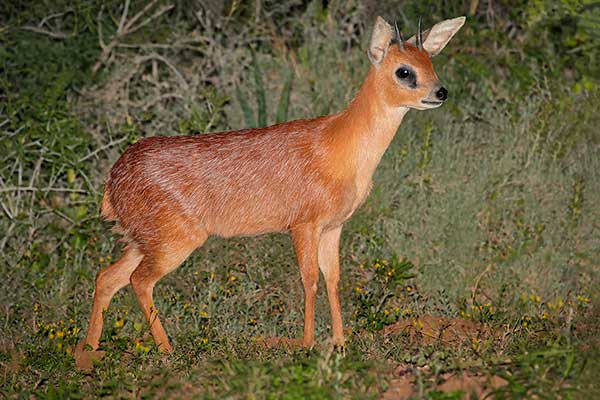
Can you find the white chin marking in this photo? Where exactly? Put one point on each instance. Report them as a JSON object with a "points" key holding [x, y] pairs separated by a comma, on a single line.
{"points": [[425, 106]]}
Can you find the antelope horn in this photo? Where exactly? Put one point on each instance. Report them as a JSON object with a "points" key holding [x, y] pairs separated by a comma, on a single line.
{"points": [[399, 37], [420, 35]]}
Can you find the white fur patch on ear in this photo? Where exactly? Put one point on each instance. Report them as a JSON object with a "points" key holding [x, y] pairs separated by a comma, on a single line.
{"points": [[436, 38], [380, 41]]}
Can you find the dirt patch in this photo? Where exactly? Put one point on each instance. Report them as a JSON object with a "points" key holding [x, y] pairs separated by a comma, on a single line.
{"points": [[471, 384], [289, 344], [449, 331]]}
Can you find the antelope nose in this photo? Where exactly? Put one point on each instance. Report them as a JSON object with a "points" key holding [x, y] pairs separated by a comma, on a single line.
{"points": [[442, 94]]}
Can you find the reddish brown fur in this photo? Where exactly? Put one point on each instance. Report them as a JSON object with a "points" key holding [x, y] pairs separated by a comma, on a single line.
{"points": [[307, 177]]}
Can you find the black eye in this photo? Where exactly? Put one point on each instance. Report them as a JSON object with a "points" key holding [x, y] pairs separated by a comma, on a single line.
{"points": [[402, 73]]}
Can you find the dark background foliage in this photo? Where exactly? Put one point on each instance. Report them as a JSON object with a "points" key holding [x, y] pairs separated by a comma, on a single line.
{"points": [[484, 209]]}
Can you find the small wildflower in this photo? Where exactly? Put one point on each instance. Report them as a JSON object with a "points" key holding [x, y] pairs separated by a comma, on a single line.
{"points": [[535, 298], [583, 299], [418, 324], [141, 347], [119, 323]]}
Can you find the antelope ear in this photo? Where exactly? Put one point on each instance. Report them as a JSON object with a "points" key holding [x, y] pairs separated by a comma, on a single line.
{"points": [[380, 41], [438, 36]]}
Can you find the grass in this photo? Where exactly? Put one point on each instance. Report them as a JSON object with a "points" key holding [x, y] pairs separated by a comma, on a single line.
{"points": [[483, 213]]}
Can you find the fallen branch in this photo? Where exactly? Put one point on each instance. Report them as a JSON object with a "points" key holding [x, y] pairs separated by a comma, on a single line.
{"points": [[55, 35], [102, 148], [125, 28]]}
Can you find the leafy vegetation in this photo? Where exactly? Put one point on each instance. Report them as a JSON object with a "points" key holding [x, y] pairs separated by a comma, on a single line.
{"points": [[475, 259]]}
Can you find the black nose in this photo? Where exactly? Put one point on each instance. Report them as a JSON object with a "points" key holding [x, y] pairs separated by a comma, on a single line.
{"points": [[442, 94]]}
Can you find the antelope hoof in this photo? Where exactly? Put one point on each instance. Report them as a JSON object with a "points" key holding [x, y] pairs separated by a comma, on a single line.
{"points": [[84, 359], [165, 348]]}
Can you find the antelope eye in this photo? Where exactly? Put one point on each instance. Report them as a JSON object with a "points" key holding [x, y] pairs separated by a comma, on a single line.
{"points": [[402, 73]]}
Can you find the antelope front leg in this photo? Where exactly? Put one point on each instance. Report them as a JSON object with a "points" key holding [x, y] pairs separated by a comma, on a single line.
{"points": [[329, 263], [306, 242]]}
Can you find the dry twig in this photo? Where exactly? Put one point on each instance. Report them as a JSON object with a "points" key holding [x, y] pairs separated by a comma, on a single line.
{"points": [[126, 27]]}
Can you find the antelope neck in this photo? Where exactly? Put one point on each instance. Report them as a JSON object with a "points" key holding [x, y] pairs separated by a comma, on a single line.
{"points": [[366, 128]]}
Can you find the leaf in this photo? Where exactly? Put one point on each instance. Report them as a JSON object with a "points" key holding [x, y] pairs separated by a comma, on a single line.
{"points": [[284, 100], [248, 116], [261, 100]]}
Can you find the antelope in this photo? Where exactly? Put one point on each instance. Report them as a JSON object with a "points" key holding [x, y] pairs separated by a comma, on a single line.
{"points": [[168, 194]]}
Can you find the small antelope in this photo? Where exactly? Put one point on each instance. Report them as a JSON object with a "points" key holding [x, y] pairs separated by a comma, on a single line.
{"points": [[306, 177]]}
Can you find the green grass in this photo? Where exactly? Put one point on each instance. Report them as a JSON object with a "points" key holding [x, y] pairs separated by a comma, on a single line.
{"points": [[483, 211]]}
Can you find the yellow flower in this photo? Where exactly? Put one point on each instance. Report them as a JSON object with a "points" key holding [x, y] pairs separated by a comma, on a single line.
{"points": [[418, 324], [140, 346], [535, 298], [203, 314], [60, 334], [119, 323], [583, 299]]}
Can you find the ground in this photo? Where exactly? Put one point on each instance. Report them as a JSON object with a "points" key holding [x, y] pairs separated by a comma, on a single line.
{"points": [[472, 268]]}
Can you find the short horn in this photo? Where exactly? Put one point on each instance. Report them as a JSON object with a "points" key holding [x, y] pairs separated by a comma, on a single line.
{"points": [[399, 37], [420, 35]]}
